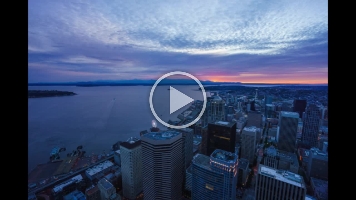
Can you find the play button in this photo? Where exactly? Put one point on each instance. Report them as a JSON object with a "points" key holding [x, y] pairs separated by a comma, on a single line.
{"points": [[178, 100]]}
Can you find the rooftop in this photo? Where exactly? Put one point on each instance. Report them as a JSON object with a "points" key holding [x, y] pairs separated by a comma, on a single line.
{"points": [[224, 123], [98, 168], [250, 128], [225, 156], [105, 183], [78, 195], [92, 190], [289, 114], [320, 187], [164, 135], [316, 153], [282, 175], [131, 143], [271, 151], [74, 179], [202, 161], [243, 164]]}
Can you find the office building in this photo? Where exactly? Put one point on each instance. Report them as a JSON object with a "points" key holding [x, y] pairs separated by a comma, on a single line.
{"points": [[214, 177], [299, 106], [243, 171], [187, 136], [215, 110], [278, 184], [248, 143], [320, 188], [77, 195], [318, 164], [131, 168], [107, 190], [162, 160], [279, 159], [254, 118], [288, 127], [97, 172], [117, 157], [67, 186], [92, 193], [221, 135], [270, 110], [311, 122]]}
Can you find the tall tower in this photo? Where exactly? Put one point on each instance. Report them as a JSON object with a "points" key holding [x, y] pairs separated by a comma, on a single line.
{"points": [[288, 127], [278, 184], [162, 160], [311, 122], [221, 135], [131, 167], [214, 177], [248, 143]]}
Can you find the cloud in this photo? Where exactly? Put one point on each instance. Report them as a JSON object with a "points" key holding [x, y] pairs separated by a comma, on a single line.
{"points": [[151, 37]]}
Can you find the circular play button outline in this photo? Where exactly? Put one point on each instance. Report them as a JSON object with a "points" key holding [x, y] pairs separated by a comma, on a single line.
{"points": [[171, 74]]}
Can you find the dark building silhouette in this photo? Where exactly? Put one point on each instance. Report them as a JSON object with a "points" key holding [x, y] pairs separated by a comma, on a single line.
{"points": [[221, 135], [311, 120], [288, 127], [299, 106], [252, 108], [254, 118]]}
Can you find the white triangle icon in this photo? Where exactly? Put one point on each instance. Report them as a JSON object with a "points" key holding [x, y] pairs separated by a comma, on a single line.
{"points": [[177, 100]]}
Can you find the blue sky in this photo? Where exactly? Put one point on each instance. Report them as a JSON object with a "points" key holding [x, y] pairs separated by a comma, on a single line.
{"points": [[275, 41]]}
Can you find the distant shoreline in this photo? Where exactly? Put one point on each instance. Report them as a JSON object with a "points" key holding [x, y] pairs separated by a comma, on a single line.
{"points": [[161, 84], [48, 93]]}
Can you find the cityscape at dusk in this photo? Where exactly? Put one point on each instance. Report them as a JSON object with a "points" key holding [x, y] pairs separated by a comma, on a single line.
{"points": [[181, 100], [224, 41]]}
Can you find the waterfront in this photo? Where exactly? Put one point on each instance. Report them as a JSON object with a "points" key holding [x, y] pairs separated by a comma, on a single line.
{"points": [[96, 118]]}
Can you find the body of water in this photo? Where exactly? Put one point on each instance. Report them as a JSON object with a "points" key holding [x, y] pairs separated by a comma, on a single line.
{"points": [[96, 118]]}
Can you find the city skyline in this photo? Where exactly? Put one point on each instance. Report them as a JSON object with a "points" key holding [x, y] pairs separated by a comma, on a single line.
{"points": [[234, 41]]}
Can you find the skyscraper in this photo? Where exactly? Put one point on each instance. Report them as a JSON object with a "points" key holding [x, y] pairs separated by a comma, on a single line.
{"points": [[215, 109], [299, 106], [318, 164], [288, 127], [221, 135], [131, 167], [107, 190], [278, 184], [214, 177], [311, 122], [254, 118], [162, 160], [248, 143]]}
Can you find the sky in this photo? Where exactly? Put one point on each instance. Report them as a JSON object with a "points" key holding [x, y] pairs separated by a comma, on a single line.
{"points": [[274, 41]]}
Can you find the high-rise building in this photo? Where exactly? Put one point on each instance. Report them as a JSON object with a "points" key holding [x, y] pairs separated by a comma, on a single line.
{"points": [[269, 110], [320, 188], [288, 127], [278, 184], [299, 106], [248, 143], [243, 171], [215, 109], [131, 168], [214, 177], [107, 190], [318, 164], [311, 122], [221, 135], [162, 160], [279, 159], [254, 118], [187, 136]]}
